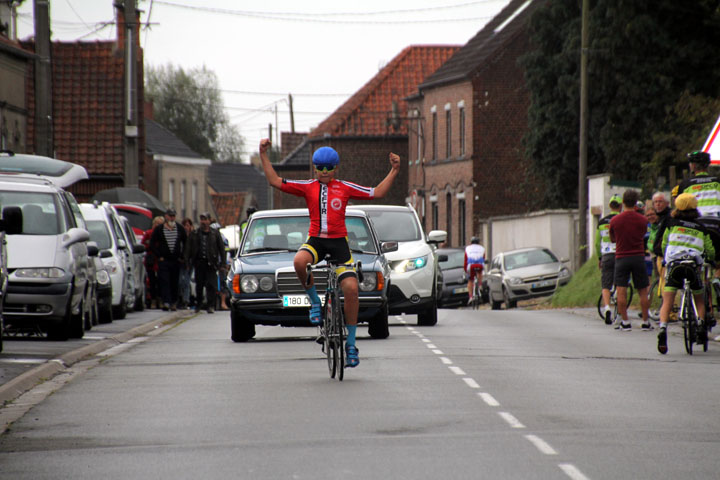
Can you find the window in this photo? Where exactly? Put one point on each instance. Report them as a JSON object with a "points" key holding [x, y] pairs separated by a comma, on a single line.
{"points": [[448, 218], [448, 134], [434, 136], [171, 193], [461, 130], [461, 222], [435, 214], [194, 199], [183, 204]]}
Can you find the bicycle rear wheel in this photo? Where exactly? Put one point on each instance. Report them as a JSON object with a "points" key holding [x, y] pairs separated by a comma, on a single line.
{"points": [[688, 323], [328, 344], [476, 296]]}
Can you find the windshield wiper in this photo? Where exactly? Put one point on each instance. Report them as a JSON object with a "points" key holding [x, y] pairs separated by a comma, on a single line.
{"points": [[355, 250], [269, 249]]}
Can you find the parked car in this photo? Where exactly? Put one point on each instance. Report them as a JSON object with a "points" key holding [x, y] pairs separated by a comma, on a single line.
{"points": [[48, 263], [414, 274], [265, 289], [105, 230], [454, 279], [136, 256], [11, 224], [522, 274], [140, 218]]}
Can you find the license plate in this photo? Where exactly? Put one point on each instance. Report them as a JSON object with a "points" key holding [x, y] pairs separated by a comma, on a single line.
{"points": [[298, 301], [460, 290], [544, 283]]}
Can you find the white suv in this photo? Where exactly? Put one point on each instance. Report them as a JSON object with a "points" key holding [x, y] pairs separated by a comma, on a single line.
{"points": [[414, 274]]}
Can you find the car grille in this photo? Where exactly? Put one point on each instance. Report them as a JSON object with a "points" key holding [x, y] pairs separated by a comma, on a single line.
{"points": [[288, 283]]}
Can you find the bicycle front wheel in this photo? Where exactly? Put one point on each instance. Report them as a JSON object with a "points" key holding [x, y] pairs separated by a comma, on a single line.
{"points": [[328, 345], [339, 336]]}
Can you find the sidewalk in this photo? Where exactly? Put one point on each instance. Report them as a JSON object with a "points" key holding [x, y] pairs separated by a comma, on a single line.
{"points": [[12, 389]]}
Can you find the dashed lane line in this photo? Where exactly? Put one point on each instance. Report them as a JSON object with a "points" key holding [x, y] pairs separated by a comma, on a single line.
{"points": [[511, 420], [541, 445]]}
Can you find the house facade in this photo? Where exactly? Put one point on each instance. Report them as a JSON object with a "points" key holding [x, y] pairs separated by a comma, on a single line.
{"points": [[466, 161], [15, 62]]}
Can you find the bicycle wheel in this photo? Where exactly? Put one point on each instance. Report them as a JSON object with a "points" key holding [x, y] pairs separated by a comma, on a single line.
{"points": [[476, 296], [327, 335], [600, 306], [339, 336], [688, 322]]}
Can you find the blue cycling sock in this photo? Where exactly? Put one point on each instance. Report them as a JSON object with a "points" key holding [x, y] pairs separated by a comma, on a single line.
{"points": [[351, 329], [312, 293]]}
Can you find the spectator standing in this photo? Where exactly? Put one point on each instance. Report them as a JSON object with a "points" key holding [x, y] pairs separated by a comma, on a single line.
{"points": [[206, 252], [151, 265], [627, 231], [185, 270], [168, 244], [605, 251]]}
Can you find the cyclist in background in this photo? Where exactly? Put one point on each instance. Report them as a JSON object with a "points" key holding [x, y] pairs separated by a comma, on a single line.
{"points": [[474, 264], [683, 238], [702, 185], [605, 251], [326, 199]]}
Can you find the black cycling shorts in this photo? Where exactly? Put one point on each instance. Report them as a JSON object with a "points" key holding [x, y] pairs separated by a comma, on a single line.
{"points": [[631, 266], [607, 277], [676, 273], [338, 249]]}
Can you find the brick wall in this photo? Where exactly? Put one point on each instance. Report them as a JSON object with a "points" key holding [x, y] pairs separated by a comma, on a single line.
{"points": [[289, 141], [500, 118]]}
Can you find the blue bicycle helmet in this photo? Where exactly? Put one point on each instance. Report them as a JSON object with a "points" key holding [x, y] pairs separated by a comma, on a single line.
{"points": [[325, 156]]}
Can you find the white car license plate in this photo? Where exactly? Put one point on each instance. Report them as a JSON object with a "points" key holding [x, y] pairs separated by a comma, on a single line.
{"points": [[460, 290], [544, 283], [298, 301]]}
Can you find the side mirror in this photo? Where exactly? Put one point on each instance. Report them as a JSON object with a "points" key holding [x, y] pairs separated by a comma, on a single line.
{"points": [[12, 220], [388, 247], [93, 249], [105, 254], [437, 236], [138, 248], [75, 235]]}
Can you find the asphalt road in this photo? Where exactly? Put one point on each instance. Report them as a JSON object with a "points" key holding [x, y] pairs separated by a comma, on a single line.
{"points": [[484, 394]]}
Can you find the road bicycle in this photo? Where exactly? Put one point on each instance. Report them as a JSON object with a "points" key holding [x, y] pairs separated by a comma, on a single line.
{"points": [[477, 295], [332, 327], [695, 330], [613, 302]]}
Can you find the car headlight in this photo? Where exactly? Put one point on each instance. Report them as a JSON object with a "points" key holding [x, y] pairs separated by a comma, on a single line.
{"points": [[564, 273], [369, 282], [266, 284], [39, 272], [411, 264], [112, 266], [514, 280], [102, 277], [249, 283]]}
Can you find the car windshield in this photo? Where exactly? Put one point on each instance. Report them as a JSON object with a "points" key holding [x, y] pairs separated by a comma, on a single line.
{"points": [[455, 260], [99, 234], [289, 233], [395, 226], [136, 219], [529, 258], [39, 211]]}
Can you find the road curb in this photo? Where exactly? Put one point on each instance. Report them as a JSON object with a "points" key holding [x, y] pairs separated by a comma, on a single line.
{"points": [[26, 381]]}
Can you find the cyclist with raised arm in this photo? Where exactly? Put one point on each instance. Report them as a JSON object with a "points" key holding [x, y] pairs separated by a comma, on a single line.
{"points": [[474, 263], [605, 251], [326, 199], [683, 239]]}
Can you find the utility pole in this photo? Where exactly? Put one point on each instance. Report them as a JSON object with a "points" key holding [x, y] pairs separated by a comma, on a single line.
{"points": [[582, 167], [131, 113], [43, 80], [292, 116]]}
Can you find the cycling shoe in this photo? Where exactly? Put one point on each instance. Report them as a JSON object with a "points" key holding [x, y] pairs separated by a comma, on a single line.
{"points": [[316, 314], [352, 360]]}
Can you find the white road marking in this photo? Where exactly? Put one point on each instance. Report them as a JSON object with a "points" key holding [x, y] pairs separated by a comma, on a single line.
{"points": [[572, 471], [487, 398], [426, 340], [471, 383], [511, 420], [23, 360], [437, 352], [541, 445], [457, 370], [430, 345], [446, 360]]}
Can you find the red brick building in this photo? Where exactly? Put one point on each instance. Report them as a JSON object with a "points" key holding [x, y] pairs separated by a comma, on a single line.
{"points": [[467, 122], [369, 125]]}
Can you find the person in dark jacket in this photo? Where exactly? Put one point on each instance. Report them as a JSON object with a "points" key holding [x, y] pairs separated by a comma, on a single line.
{"points": [[206, 253], [168, 245]]}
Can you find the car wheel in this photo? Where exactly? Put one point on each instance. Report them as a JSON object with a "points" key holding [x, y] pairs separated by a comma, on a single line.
{"points": [[378, 325], [106, 314], [494, 304], [61, 331], [120, 311], [2, 330], [94, 312], [78, 322], [241, 329], [428, 318], [140, 301], [506, 299]]}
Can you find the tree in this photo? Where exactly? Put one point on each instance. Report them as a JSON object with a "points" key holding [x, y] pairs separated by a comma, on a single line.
{"points": [[648, 61], [189, 104]]}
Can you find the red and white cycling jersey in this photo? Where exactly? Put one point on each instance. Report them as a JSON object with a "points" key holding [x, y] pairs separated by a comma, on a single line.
{"points": [[326, 203]]}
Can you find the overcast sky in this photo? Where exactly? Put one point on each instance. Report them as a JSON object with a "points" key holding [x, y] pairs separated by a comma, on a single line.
{"points": [[319, 51]]}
